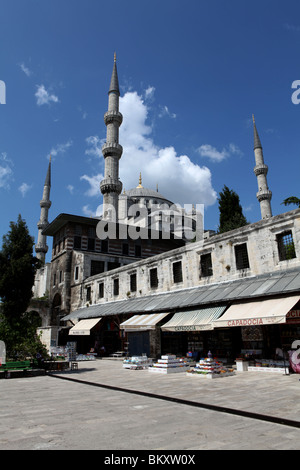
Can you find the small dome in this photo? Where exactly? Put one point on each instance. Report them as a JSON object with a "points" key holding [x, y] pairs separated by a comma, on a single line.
{"points": [[140, 192]]}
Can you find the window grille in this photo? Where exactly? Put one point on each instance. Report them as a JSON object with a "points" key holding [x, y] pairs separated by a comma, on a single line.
{"points": [[177, 272], [206, 265], [101, 290], [286, 247], [133, 282], [97, 267], [241, 256], [116, 286], [88, 293], [153, 278]]}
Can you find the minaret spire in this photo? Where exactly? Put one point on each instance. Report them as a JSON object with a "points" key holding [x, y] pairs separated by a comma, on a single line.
{"points": [[112, 151], [264, 195], [41, 247]]}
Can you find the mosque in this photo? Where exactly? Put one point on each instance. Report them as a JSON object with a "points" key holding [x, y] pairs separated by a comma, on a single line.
{"points": [[167, 285]]}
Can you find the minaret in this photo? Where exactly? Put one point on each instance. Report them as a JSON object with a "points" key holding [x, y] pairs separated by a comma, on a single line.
{"points": [[111, 186], [41, 247], [264, 195]]}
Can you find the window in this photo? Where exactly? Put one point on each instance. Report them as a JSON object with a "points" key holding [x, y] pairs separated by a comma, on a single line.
{"points": [[133, 282], [97, 267], [153, 278], [241, 256], [286, 247], [206, 265], [91, 244], [88, 293], [177, 272], [91, 232], [125, 249], [138, 251], [77, 242], [60, 276], [101, 290], [76, 274], [54, 279], [116, 286], [104, 246], [111, 265]]}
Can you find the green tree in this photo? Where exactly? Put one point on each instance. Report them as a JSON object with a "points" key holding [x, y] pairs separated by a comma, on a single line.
{"points": [[291, 200], [17, 271], [230, 211]]}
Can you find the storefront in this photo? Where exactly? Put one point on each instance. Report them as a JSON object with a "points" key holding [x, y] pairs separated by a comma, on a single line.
{"points": [[144, 334], [86, 334], [268, 329], [192, 333]]}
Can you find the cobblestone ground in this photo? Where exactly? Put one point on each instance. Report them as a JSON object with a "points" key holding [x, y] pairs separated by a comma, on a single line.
{"points": [[50, 412]]}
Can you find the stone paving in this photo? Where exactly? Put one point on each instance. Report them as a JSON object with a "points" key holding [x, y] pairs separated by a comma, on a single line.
{"points": [[46, 412]]}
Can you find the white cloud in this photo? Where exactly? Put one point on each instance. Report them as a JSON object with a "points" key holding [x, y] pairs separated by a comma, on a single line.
{"points": [[88, 212], [215, 155], [44, 97], [24, 188], [25, 69], [179, 179], [94, 182], [61, 148], [70, 188], [149, 93], [165, 112], [94, 146], [6, 172], [5, 176]]}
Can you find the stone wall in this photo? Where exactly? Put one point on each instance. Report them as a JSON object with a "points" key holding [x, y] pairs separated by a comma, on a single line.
{"points": [[260, 240]]}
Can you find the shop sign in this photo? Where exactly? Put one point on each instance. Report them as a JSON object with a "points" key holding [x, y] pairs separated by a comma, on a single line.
{"points": [[193, 327], [255, 321], [245, 322], [293, 316]]}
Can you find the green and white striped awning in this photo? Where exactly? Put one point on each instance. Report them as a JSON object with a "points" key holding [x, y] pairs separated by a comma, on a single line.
{"points": [[194, 320]]}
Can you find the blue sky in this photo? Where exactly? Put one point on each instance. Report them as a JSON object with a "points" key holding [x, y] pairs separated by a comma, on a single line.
{"points": [[191, 74]]}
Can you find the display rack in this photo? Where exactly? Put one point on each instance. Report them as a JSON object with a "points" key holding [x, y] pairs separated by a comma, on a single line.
{"points": [[137, 362], [169, 364], [210, 369]]}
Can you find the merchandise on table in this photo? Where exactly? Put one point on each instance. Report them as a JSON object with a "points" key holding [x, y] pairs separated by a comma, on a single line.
{"points": [[169, 364], [210, 369], [68, 353], [137, 362], [269, 365]]}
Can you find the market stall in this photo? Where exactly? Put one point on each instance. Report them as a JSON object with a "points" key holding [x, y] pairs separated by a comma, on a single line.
{"points": [[268, 329], [170, 364], [137, 363], [210, 368]]}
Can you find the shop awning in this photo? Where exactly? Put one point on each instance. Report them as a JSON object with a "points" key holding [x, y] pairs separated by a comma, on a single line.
{"points": [[194, 320], [143, 322], [83, 327], [264, 312]]}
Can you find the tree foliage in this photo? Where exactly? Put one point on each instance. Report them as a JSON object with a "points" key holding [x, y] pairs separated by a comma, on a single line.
{"points": [[291, 200], [17, 271], [230, 211]]}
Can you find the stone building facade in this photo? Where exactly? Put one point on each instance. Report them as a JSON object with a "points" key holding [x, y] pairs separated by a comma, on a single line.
{"points": [[263, 247], [114, 278]]}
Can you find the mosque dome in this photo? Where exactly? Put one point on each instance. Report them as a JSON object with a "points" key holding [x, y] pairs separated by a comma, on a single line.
{"points": [[140, 192]]}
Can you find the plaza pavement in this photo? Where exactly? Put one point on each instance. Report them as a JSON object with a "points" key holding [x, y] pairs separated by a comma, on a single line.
{"points": [[68, 411]]}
